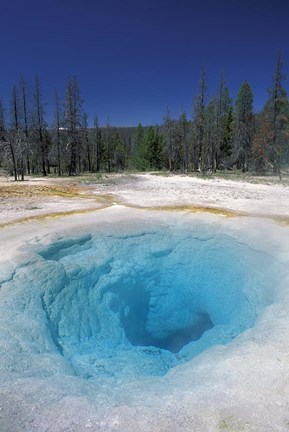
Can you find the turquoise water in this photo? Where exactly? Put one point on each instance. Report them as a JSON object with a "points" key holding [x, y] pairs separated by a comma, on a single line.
{"points": [[144, 320], [140, 303]]}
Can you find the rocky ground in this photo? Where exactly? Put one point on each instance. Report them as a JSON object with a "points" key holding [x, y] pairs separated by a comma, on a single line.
{"points": [[37, 197], [242, 386]]}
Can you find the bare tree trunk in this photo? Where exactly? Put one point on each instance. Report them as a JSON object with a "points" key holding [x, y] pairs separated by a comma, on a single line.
{"points": [[73, 122], [97, 143], [13, 160], [16, 137], [57, 114], [58, 152], [40, 125], [24, 102]]}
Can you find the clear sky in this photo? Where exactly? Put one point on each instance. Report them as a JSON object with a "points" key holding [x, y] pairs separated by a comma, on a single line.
{"points": [[134, 58]]}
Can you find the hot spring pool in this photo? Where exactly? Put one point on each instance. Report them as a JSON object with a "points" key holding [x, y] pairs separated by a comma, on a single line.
{"points": [[119, 303], [142, 302]]}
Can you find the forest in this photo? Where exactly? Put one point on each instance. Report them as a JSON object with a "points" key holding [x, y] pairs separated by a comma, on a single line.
{"points": [[220, 135]]}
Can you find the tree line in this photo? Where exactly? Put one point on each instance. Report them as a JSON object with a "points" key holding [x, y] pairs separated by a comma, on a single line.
{"points": [[219, 135]]}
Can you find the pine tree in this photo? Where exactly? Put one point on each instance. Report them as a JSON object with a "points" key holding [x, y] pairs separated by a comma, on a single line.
{"points": [[226, 144], [119, 152], [16, 139], [86, 143], [261, 142], [243, 126], [40, 125], [199, 121], [98, 147], [141, 160], [72, 120], [154, 145], [208, 154], [183, 129], [7, 143], [169, 140], [56, 153], [278, 110], [223, 116], [23, 91], [108, 146]]}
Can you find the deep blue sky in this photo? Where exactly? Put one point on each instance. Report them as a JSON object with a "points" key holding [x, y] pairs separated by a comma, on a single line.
{"points": [[134, 58]]}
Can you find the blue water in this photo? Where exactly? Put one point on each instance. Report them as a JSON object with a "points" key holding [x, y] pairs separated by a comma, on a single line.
{"points": [[142, 302]]}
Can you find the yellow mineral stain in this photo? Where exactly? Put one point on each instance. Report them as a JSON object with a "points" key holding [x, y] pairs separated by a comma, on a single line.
{"points": [[195, 209], [25, 191], [51, 216], [72, 191]]}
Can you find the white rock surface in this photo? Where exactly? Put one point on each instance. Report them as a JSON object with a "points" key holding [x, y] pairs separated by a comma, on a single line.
{"points": [[241, 386]]}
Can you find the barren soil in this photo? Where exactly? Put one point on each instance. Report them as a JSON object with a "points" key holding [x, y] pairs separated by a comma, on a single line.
{"points": [[41, 197]]}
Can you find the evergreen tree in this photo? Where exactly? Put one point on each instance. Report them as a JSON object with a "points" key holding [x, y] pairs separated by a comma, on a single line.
{"points": [[98, 146], [119, 152], [139, 135], [16, 138], [7, 143], [25, 114], [141, 160], [199, 121], [183, 129], [40, 126], [87, 159], [3, 139], [108, 146], [169, 140], [243, 126], [56, 153], [278, 111], [73, 116], [261, 142], [222, 126], [154, 145], [227, 142], [209, 143]]}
